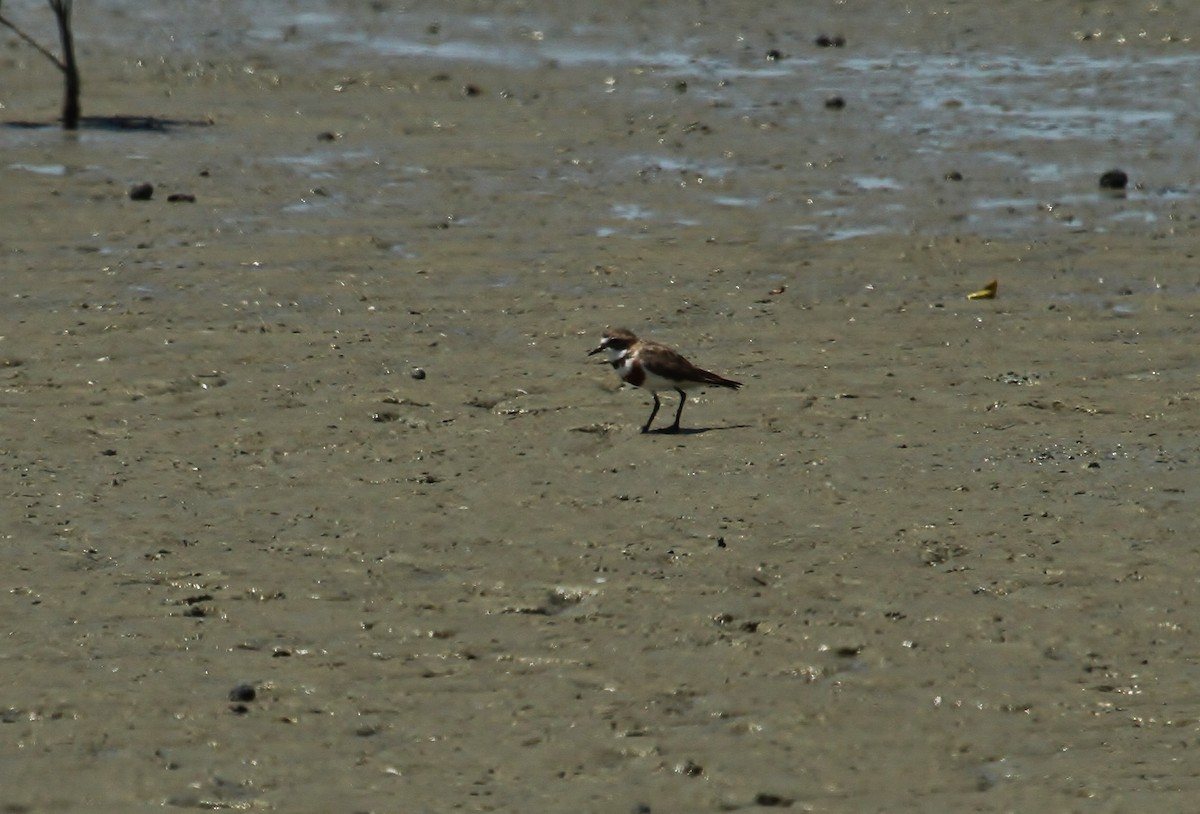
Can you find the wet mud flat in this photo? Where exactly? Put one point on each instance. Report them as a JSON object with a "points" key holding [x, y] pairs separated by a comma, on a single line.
{"points": [[314, 500]]}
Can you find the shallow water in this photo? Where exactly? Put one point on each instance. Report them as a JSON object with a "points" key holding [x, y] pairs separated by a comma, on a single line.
{"points": [[1029, 131]]}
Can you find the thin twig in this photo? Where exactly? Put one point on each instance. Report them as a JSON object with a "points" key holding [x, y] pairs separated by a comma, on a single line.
{"points": [[47, 54]]}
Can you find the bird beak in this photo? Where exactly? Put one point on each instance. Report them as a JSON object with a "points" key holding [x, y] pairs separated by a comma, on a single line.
{"points": [[595, 350]]}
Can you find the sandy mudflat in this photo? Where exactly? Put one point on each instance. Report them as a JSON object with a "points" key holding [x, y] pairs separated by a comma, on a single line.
{"points": [[937, 555]]}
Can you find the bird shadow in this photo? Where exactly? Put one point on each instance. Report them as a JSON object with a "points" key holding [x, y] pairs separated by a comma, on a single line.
{"points": [[696, 430]]}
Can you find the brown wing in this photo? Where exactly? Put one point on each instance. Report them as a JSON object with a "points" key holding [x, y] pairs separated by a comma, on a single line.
{"points": [[670, 364]]}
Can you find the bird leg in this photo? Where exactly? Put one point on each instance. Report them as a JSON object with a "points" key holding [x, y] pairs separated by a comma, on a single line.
{"points": [[653, 413], [679, 412]]}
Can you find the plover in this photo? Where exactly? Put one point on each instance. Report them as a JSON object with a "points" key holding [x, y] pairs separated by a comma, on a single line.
{"points": [[656, 368]]}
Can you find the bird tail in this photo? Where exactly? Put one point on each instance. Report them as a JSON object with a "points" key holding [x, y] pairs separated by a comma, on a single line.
{"points": [[720, 381]]}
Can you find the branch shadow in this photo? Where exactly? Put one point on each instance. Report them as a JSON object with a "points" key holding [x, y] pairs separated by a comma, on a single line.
{"points": [[118, 124]]}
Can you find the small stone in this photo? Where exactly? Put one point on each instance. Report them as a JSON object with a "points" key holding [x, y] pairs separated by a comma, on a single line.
{"points": [[774, 55], [143, 191], [767, 800], [954, 175], [243, 693], [181, 197], [826, 41], [418, 373], [835, 103], [1114, 179]]}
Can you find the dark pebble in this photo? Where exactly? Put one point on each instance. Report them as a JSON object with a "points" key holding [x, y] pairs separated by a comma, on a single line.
{"points": [[774, 55], [327, 135], [471, 90], [954, 175], [384, 417], [826, 41], [1114, 179], [243, 693], [772, 800], [141, 192], [181, 197], [681, 86], [835, 103], [418, 373]]}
